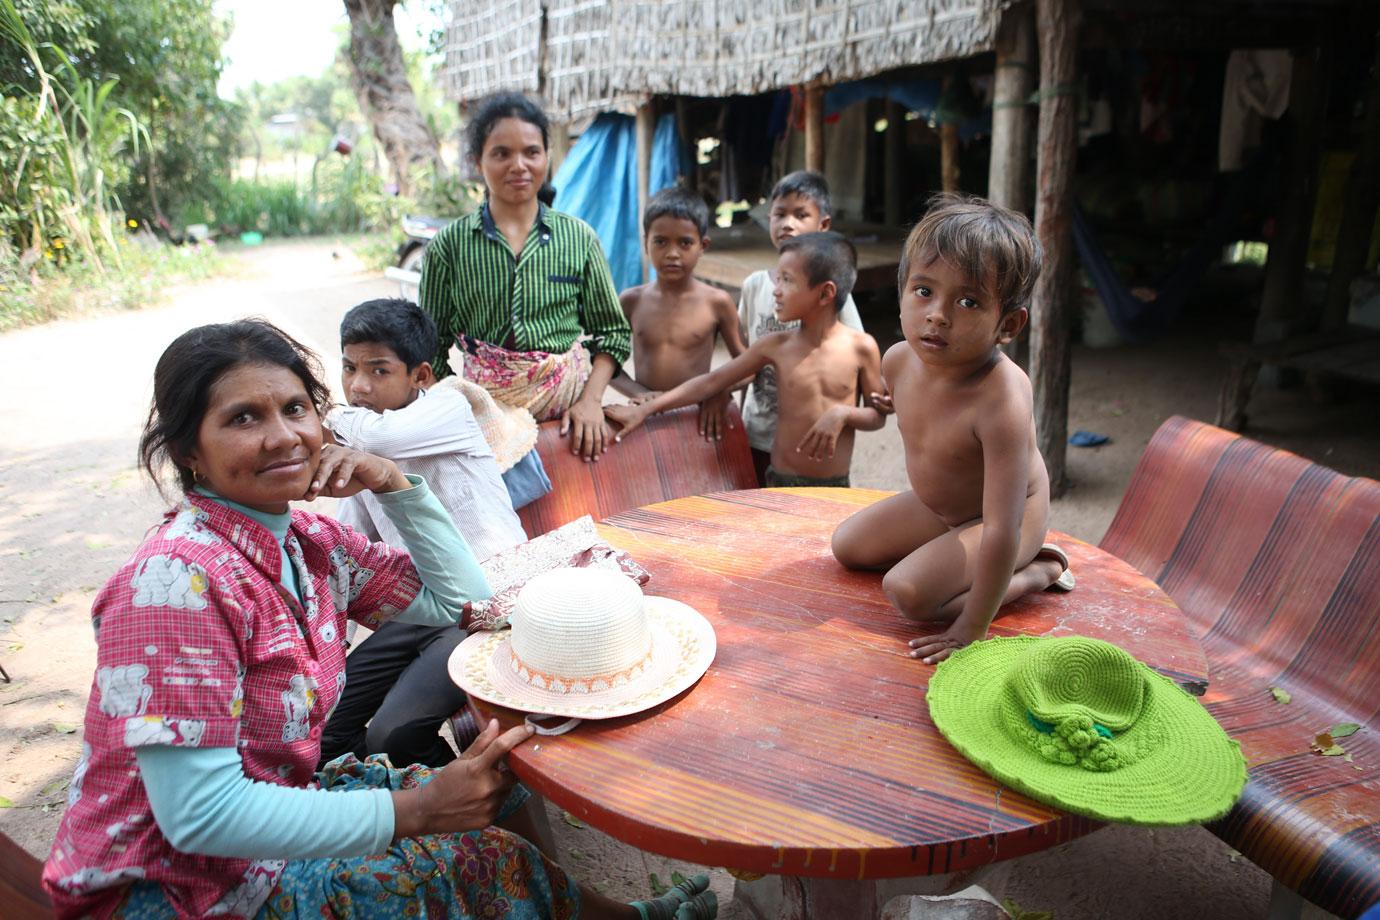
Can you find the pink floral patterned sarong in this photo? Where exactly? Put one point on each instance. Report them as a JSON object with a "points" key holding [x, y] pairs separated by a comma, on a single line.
{"points": [[544, 384]]}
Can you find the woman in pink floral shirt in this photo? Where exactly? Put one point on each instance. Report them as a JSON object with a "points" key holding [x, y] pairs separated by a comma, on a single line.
{"points": [[220, 653]]}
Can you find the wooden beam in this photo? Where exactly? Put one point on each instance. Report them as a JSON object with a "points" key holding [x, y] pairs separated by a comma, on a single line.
{"points": [[948, 156], [814, 125], [893, 157], [559, 147], [646, 128], [1358, 210], [1057, 22], [1008, 172], [1282, 298]]}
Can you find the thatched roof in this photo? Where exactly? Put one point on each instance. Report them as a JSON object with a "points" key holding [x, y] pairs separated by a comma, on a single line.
{"points": [[610, 54]]}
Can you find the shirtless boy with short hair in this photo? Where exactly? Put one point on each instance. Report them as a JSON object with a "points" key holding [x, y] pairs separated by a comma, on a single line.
{"points": [[821, 367], [969, 535], [676, 317]]}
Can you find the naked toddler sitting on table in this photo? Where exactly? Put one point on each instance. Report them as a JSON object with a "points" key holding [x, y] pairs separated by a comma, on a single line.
{"points": [[676, 317], [969, 534], [821, 366]]}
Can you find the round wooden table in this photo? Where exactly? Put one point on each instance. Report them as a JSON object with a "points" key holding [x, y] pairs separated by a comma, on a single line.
{"points": [[807, 748]]}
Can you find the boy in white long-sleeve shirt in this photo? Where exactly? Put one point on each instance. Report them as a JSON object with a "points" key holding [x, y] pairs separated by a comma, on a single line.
{"points": [[396, 679]]}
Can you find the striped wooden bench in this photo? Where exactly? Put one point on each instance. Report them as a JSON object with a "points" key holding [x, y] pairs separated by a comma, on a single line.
{"points": [[665, 459], [1276, 562]]}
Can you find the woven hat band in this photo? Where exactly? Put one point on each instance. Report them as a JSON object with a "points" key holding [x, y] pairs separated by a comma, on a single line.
{"points": [[597, 683]]}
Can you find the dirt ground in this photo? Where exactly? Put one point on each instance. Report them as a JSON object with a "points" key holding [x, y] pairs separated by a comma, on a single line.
{"points": [[73, 504]]}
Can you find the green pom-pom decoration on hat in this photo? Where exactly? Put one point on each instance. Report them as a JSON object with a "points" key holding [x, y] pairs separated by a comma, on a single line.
{"points": [[1081, 725]]}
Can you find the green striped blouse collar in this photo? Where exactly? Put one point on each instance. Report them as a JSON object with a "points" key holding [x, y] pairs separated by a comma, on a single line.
{"points": [[486, 222]]}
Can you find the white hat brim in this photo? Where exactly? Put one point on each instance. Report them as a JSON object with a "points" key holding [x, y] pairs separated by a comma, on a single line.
{"points": [[683, 645]]}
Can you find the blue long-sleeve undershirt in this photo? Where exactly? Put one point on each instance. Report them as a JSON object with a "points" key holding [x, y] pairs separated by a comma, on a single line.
{"points": [[200, 797]]}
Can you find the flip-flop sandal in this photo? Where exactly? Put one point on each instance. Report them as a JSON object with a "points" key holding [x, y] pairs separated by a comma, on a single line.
{"points": [[1065, 582]]}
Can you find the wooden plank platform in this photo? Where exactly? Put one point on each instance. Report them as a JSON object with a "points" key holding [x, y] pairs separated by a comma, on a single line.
{"points": [[738, 251]]}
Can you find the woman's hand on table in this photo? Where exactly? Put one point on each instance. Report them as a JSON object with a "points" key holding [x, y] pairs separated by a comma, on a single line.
{"points": [[342, 472], [589, 435], [934, 649], [467, 793]]}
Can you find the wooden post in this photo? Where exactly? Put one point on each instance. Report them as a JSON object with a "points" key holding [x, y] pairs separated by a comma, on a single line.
{"points": [[1284, 268], [1008, 173], [814, 125], [560, 146], [1051, 303], [948, 156], [893, 158], [1358, 211], [646, 127]]}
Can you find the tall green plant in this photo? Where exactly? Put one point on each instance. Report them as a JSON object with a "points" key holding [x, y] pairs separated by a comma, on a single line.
{"points": [[69, 120]]}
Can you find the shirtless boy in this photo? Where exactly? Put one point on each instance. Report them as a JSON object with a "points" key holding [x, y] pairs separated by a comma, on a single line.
{"points": [[676, 317], [969, 535], [821, 367]]}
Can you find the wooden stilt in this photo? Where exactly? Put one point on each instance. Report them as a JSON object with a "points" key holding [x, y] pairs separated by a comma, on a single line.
{"points": [[1008, 175], [814, 125], [559, 146], [1051, 305], [1008, 172], [948, 156], [646, 126], [1358, 211]]}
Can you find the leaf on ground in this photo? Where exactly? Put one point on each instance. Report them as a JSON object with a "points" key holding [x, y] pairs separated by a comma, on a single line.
{"points": [[1280, 695], [1019, 913], [55, 786], [1324, 744], [5, 803], [65, 728], [1342, 729], [573, 821], [657, 885], [677, 878], [16, 646]]}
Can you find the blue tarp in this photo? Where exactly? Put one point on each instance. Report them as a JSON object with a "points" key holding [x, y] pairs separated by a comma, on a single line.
{"points": [[597, 182]]}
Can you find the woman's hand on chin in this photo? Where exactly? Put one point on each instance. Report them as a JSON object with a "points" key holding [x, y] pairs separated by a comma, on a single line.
{"points": [[342, 472]]}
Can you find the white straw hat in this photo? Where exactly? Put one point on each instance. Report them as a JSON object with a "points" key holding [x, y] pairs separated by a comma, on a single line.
{"points": [[586, 644]]}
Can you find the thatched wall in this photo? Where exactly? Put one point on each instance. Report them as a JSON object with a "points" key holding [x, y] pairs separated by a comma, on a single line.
{"points": [[608, 54]]}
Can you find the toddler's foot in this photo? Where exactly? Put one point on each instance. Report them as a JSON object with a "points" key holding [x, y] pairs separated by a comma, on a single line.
{"points": [[689, 900], [1065, 581]]}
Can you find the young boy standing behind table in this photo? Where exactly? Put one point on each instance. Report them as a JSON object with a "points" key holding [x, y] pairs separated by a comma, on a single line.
{"points": [[969, 534], [676, 317], [799, 204], [822, 367], [397, 676]]}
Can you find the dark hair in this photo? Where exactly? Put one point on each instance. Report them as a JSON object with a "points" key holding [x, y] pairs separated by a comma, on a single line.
{"points": [[190, 367], [400, 324], [981, 240], [828, 257], [492, 109], [680, 203], [807, 184]]}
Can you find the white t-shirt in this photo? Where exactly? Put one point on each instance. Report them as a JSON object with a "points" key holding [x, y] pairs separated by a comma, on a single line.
{"points": [[436, 437], [756, 318]]}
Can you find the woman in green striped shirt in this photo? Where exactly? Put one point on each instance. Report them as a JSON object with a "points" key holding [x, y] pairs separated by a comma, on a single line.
{"points": [[525, 290]]}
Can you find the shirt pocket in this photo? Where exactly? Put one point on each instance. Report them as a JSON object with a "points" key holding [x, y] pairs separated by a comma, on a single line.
{"points": [[564, 279]]}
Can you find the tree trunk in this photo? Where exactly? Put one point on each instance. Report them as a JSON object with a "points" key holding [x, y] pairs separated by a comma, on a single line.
{"points": [[380, 81], [1058, 22]]}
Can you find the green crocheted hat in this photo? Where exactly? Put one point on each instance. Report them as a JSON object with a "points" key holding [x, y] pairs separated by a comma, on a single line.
{"points": [[1081, 725]]}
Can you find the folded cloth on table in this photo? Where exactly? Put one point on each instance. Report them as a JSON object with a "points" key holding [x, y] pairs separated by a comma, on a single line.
{"points": [[574, 545]]}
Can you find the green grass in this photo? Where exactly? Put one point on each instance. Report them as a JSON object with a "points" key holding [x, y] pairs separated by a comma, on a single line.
{"points": [[49, 290]]}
